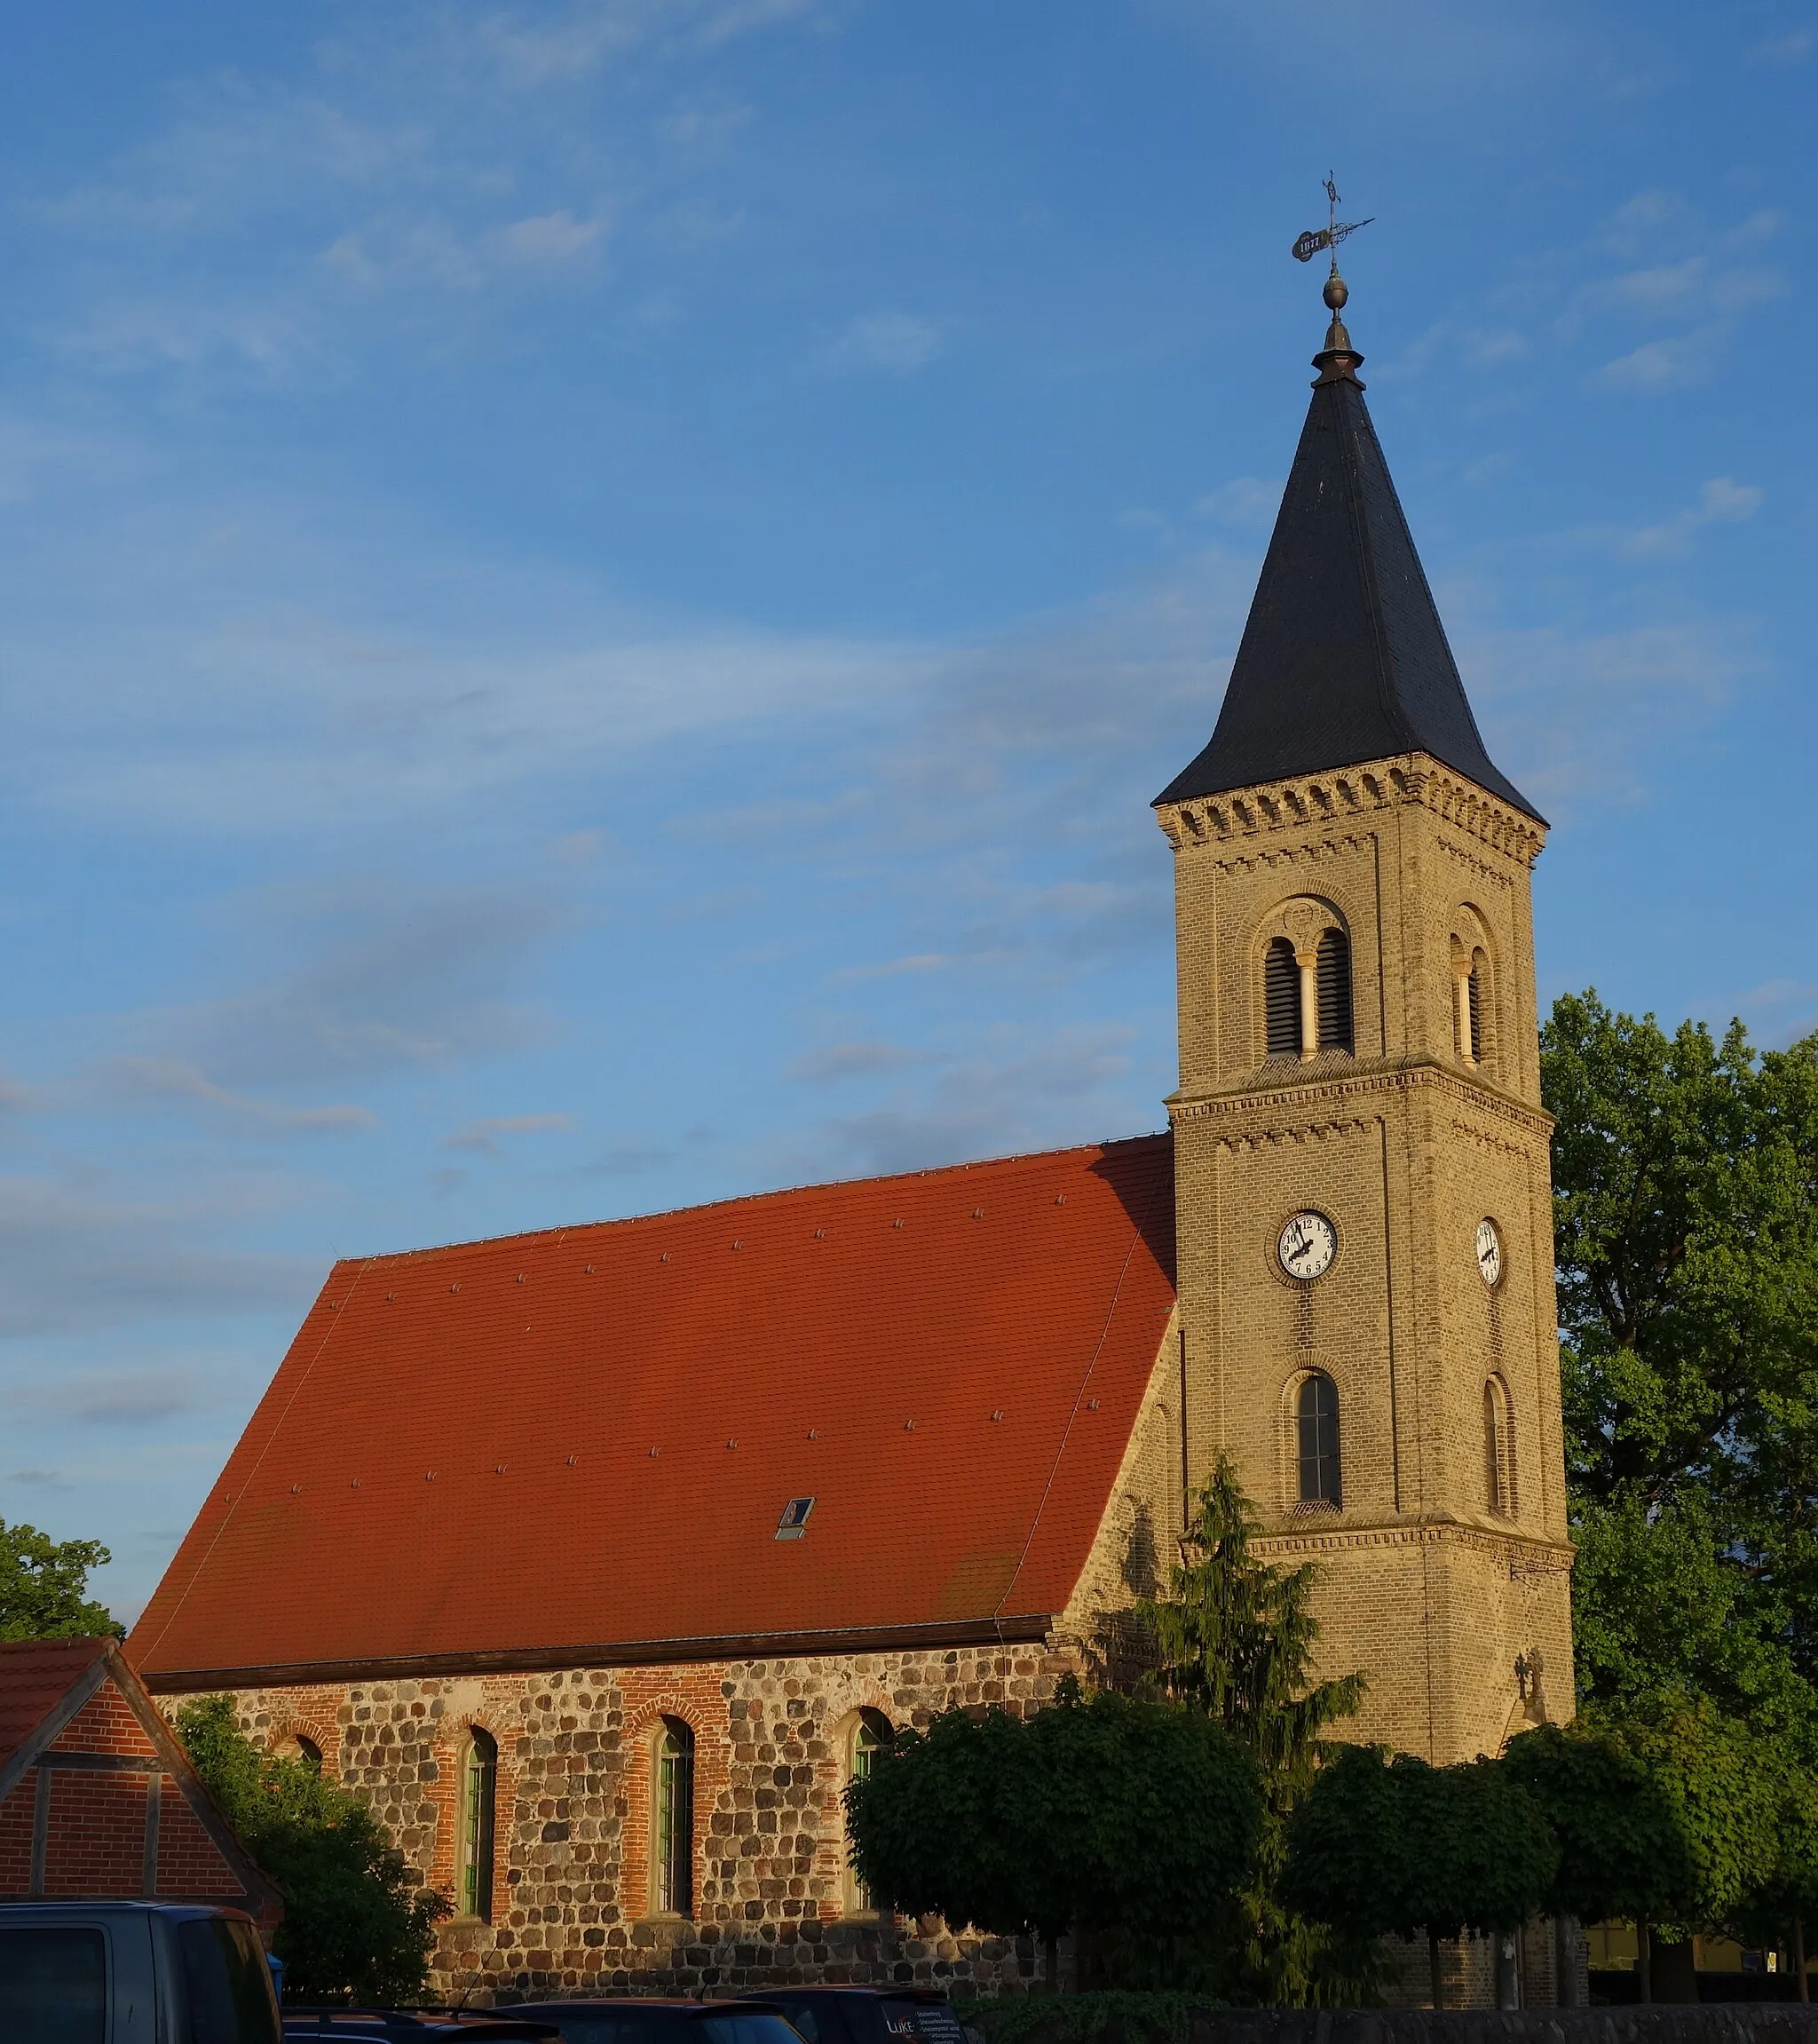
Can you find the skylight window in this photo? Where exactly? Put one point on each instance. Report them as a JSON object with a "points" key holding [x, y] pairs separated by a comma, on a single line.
{"points": [[794, 1522]]}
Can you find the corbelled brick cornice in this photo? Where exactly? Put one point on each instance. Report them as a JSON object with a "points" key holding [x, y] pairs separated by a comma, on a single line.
{"points": [[1248, 819]]}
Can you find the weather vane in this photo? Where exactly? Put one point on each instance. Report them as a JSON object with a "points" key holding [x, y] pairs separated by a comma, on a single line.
{"points": [[1329, 235]]}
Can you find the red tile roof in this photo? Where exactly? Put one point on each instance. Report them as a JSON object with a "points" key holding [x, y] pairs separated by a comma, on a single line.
{"points": [[578, 1445], [36, 1674]]}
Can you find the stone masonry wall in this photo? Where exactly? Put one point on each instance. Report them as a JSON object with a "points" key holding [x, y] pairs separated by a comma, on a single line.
{"points": [[571, 1910]]}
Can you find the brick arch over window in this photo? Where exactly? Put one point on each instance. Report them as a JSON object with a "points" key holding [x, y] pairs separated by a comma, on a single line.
{"points": [[863, 1734], [702, 1708], [446, 1793], [1312, 1466], [308, 1739], [1312, 1443], [1301, 978], [1474, 989], [1500, 1493]]}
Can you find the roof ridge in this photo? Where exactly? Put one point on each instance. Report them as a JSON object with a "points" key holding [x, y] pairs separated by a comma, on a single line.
{"points": [[557, 1233]]}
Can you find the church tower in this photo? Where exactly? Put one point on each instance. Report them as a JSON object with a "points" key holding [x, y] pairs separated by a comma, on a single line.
{"points": [[1362, 1183]]}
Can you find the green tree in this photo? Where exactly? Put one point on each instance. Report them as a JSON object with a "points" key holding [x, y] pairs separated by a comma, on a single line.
{"points": [[43, 1587], [1685, 1212], [1622, 1852], [1381, 1845], [1234, 1636], [1101, 1814], [356, 1923]]}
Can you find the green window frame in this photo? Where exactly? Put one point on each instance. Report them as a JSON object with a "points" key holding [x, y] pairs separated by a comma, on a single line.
{"points": [[480, 1787], [871, 1733], [673, 1832]]}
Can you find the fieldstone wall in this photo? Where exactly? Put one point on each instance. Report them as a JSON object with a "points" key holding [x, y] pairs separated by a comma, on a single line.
{"points": [[571, 1909]]}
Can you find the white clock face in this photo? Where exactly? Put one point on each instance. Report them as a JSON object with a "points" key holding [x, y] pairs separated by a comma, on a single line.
{"points": [[1308, 1246], [1489, 1252]]}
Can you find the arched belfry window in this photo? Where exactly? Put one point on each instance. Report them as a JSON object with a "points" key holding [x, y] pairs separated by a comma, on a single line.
{"points": [[871, 1733], [1333, 973], [672, 1833], [1498, 1450], [1281, 999], [479, 1782], [1316, 1427]]}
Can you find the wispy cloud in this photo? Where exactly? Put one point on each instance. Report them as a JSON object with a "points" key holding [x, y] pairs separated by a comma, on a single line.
{"points": [[837, 1061], [483, 1137], [127, 1081], [1721, 501], [887, 340], [73, 1257]]}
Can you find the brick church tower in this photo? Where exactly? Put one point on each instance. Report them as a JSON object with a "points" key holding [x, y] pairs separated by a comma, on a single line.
{"points": [[1362, 1185]]}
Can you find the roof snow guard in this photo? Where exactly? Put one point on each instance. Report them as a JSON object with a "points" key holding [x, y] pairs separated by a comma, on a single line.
{"points": [[1343, 658], [570, 1449]]}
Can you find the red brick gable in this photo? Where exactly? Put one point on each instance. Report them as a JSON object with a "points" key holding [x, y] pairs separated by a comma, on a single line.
{"points": [[579, 1444], [97, 1798]]}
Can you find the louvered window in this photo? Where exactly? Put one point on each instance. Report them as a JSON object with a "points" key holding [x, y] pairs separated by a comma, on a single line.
{"points": [[1281, 999], [1333, 974], [1317, 1418]]}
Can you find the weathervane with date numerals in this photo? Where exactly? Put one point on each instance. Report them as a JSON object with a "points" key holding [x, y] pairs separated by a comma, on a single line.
{"points": [[1338, 360], [1329, 237]]}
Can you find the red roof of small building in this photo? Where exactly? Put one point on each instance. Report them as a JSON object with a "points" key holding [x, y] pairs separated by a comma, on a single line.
{"points": [[577, 1445], [36, 1674]]}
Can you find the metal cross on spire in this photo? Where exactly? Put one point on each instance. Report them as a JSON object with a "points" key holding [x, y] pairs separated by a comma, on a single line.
{"points": [[1329, 237]]}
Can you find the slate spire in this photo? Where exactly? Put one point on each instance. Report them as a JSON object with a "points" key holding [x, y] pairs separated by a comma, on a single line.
{"points": [[1343, 658]]}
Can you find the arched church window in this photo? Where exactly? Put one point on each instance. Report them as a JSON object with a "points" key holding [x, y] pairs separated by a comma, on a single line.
{"points": [[672, 1835], [1498, 1450], [479, 1782], [308, 1751], [871, 1733], [1333, 973], [1317, 1420], [1281, 999]]}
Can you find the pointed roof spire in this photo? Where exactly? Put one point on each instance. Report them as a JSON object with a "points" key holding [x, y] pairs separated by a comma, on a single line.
{"points": [[1343, 658]]}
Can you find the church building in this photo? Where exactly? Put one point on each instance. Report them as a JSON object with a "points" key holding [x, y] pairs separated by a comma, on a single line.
{"points": [[600, 1559]]}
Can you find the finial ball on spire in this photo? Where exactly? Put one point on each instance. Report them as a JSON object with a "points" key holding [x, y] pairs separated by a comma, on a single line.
{"points": [[1335, 292]]}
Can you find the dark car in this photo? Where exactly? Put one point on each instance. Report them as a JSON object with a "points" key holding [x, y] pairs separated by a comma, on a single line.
{"points": [[627, 2019], [398, 2027], [868, 2015]]}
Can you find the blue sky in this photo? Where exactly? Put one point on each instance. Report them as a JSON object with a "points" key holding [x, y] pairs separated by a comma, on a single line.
{"points": [[592, 595]]}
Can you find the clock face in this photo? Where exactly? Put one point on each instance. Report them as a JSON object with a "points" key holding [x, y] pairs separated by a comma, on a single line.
{"points": [[1308, 1246], [1489, 1252]]}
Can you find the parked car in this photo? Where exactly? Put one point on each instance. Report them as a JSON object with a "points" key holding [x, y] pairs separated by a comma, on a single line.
{"points": [[411, 2027], [630, 2019], [868, 2015], [132, 1973]]}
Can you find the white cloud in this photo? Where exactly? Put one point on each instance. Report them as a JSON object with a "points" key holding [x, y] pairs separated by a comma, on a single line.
{"points": [[1243, 501], [1721, 501], [1574, 717], [549, 238], [887, 340]]}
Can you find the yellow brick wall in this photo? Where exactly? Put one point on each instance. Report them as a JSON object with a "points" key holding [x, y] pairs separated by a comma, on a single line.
{"points": [[1405, 1145]]}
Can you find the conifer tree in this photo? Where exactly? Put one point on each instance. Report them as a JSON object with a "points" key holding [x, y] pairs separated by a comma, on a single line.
{"points": [[1234, 1636]]}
